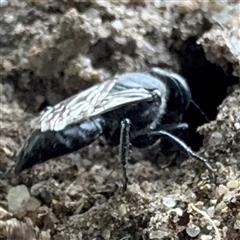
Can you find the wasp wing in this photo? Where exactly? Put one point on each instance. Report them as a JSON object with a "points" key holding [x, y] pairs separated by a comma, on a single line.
{"points": [[99, 99]]}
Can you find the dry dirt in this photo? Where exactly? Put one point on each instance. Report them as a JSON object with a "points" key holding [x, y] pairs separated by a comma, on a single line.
{"points": [[52, 49]]}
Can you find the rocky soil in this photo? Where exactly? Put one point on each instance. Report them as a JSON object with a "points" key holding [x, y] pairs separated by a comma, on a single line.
{"points": [[52, 49]]}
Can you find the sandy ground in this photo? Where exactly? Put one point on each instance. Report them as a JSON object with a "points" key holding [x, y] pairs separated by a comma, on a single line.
{"points": [[50, 50]]}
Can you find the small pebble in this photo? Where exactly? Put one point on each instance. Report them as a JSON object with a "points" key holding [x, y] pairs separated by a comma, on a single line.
{"points": [[209, 227], [233, 184], [7, 65], [122, 210], [178, 211], [222, 189], [32, 204], [169, 202], [192, 230], [217, 223], [237, 126], [17, 197], [157, 234], [106, 233], [20, 201], [146, 186], [215, 139], [117, 25], [237, 225], [228, 196], [45, 235], [103, 32], [3, 3], [210, 211], [206, 237]]}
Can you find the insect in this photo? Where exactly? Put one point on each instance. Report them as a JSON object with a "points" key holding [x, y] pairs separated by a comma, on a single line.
{"points": [[136, 108]]}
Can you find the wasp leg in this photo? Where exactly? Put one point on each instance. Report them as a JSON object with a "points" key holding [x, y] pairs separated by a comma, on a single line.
{"points": [[167, 148], [175, 140], [173, 127], [149, 139], [146, 140], [124, 149]]}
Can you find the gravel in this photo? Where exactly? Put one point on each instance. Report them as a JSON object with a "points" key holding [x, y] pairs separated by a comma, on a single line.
{"points": [[50, 50]]}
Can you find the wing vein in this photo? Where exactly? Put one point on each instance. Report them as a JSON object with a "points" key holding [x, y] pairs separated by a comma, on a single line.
{"points": [[98, 99]]}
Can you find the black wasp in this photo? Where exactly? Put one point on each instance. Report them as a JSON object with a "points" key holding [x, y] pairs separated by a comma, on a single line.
{"points": [[137, 108]]}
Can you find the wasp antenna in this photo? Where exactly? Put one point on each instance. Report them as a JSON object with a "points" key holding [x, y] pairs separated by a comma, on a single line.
{"points": [[200, 110]]}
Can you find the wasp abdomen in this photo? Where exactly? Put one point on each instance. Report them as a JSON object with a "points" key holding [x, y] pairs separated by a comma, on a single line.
{"points": [[42, 146]]}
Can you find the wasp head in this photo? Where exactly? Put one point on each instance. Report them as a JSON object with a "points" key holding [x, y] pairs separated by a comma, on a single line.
{"points": [[179, 94]]}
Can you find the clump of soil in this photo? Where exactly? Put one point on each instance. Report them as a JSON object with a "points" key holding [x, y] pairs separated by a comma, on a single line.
{"points": [[52, 49]]}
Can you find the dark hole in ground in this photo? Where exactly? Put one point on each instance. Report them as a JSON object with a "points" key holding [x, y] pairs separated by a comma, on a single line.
{"points": [[208, 84]]}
